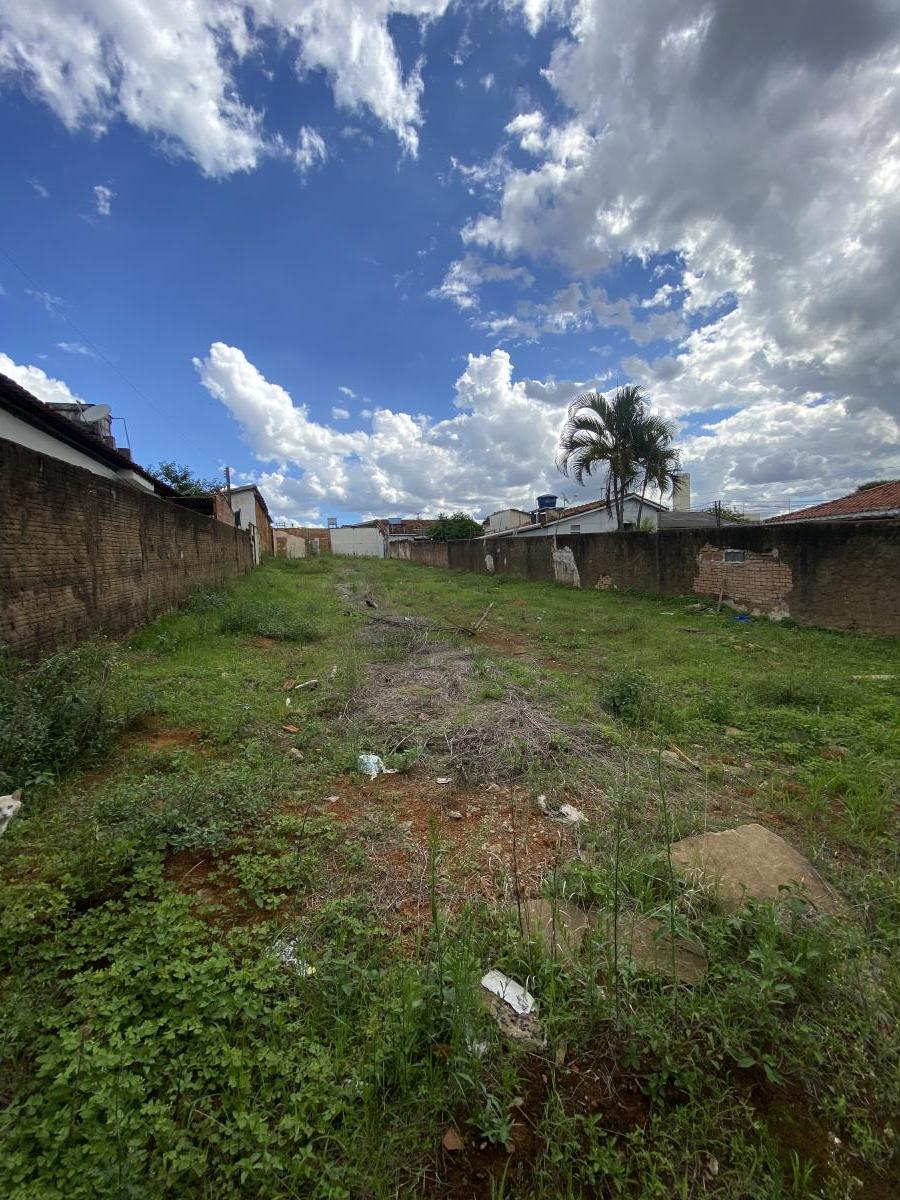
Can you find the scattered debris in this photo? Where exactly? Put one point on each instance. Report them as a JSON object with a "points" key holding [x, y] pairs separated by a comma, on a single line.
{"points": [[9, 806], [371, 765], [310, 683], [481, 620], [511, 992], [444, 779], [286, 950], [866, 677], [370, 603], [572, 815], [671, 759], [291, 728], [512, 1008], [295, 753], [451, 1141], [541, 801], [752, 862], [454, 814], [332, 799]]}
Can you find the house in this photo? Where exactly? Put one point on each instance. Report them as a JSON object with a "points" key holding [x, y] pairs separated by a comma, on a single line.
{"points": [[506, 518], [595, 517], [316, 537], [366, 540], [251, 512], [871, 504], [214, 505], [75, 434]]}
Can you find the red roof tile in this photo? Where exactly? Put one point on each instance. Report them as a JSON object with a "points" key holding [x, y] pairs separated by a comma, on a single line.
{"points": [[883, 500]]}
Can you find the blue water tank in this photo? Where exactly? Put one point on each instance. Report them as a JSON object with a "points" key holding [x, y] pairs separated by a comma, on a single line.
{"points": [[546, 502]]}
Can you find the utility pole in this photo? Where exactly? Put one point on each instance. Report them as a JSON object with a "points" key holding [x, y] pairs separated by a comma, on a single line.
{"points": [[228, 484], [717, 509]]}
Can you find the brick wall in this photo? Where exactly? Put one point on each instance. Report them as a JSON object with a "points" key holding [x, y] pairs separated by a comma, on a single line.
{"points": [[308, 533], [82, 555], [837, 575]]}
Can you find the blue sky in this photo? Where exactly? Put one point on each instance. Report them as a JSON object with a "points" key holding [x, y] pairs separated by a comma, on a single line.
{"points": [[462, 215]]}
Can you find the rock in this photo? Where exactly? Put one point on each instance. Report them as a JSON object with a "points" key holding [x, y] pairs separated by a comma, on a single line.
{"points": [[572, 815], [648, 943], [454, 814], [751, 862], [671, 759], [563, 925], [9, 806], [451, 1141]]}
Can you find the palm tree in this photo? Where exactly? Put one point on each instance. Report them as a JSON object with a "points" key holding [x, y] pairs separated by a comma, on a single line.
{"points": [[657, 456], [605, 435]]}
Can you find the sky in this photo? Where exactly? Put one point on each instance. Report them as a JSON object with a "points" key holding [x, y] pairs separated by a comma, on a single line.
{"points": [[367, 253]]}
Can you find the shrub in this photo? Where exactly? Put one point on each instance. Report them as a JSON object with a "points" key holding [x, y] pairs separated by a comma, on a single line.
{"points": [[629, 696], [54, 715]]}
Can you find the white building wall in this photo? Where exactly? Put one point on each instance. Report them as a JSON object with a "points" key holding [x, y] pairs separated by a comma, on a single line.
{"points": [[507, 518], [599, 520], [15, 430], [362, 541], [289, 546]]}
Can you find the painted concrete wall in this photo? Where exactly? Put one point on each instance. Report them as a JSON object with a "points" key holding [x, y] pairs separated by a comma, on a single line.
{"points": [[287, 546], [600, 520], [15, 430], [507, 518], [365, 541]]}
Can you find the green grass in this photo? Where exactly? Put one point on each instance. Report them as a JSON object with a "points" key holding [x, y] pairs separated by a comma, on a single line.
{"points": [[154, 1044]]}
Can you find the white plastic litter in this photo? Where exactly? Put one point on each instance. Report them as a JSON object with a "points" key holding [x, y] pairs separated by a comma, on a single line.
{"points": [[542, 803], [444, 779], [372, 765], [510, 992], [573, 815], [9, 806], [286, 949]]}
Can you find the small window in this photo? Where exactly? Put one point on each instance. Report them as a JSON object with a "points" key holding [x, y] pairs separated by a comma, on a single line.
{"points": [[735, 556]]}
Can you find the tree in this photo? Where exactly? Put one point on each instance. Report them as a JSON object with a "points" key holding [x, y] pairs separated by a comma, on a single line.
{"points": [[657, 456], [451, 529], [184, 481], [621, 438], [864, 487]]}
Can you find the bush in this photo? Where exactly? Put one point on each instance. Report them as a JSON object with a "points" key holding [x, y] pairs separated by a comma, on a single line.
{"points": [[265, 619], [629, 696], [54, 715]]}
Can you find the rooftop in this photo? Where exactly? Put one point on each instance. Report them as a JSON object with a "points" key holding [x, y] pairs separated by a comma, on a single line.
{"points": [[880, 501]]}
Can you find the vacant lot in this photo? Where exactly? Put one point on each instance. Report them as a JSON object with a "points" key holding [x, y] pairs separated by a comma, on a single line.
{"points": [[234, 967]]}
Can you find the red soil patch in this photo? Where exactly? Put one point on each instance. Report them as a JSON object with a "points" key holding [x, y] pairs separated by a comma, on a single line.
{"points": [[498, 845]]}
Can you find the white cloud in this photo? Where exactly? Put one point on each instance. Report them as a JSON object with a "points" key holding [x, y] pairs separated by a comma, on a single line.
{"points": [[76, 348], [103, 198], [171, 69], [36, 381], [340, 414], [464, 277], [39, 188], [496, 450], [348, 392], [760, 145], [310, 151]]}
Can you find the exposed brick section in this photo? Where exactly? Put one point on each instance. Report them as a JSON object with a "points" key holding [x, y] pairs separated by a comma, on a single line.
{"points": [[82, 555], [760, 583], [838, 575]]}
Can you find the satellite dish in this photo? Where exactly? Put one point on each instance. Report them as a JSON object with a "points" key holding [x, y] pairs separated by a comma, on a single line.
{"points": [[95, 413]]}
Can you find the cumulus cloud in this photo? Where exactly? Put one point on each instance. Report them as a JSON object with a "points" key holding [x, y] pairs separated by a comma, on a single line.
{"points": [[171, 69], [340, 414], [758, 144], [465, 276], [38, 382], [348, 392], [496, 450]]}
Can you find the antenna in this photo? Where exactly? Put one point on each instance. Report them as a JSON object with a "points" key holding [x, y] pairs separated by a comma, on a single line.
{"points": [[95, 413]]}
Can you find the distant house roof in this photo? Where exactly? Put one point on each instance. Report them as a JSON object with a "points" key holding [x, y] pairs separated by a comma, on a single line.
{"points": [[881, 501], [251, 487], [564, 514], [16, 400]]}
